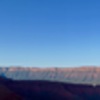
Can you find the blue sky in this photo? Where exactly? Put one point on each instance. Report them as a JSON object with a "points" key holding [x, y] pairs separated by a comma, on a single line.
{"points": [[47, 33]]}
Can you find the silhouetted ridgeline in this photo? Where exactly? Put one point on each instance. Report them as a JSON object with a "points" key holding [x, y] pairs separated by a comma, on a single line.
{"points": [[46, 90]]}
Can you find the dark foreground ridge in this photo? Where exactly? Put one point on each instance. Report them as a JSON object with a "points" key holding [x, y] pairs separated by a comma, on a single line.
{"points": [[46, 90]]}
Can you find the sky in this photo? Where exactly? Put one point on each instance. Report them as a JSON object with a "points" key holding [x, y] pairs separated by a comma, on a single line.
{"points": [[49, 33]]}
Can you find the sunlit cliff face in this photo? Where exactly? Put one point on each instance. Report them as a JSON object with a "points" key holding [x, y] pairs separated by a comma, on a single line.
{"points": [[81, 75]]}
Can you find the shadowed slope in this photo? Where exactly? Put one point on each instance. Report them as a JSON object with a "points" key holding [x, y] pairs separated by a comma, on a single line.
{"points": [[6, 93], [45, 90]]}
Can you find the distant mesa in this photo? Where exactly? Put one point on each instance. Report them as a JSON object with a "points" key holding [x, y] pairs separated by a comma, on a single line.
{"points": [[78, 75]]}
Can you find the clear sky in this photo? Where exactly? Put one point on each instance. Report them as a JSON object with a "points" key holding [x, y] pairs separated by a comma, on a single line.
{"points": [[47, 33]]}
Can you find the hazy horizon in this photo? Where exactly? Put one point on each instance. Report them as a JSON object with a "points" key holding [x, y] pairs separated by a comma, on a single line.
{"points": [[19, 66]]}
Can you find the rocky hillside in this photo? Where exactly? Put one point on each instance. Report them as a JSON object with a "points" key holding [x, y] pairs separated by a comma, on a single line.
{"points": [[81, 75]]}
